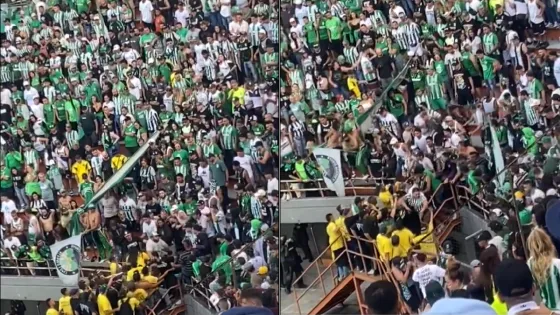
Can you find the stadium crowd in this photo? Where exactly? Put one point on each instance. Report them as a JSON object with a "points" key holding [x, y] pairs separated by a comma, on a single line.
{"points": [[87, 84], [422, 97]]}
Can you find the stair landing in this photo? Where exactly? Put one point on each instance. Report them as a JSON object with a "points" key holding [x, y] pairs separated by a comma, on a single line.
{"points": [[315, 294]]}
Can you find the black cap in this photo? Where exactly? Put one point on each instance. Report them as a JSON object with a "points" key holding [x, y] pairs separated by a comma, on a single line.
{"points": [[434, 292], [484, 236], [519, 285], [74, 292]]}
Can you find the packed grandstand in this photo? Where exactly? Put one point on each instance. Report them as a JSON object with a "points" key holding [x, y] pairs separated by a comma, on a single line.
{"points": [[425, 111], [139, 149]]}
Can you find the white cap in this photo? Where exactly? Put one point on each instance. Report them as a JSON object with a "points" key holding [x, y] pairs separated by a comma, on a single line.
{"points": [[497, 212], [551, 192], [174, 207], [297, 2], [393, 141], [292, 20], [151, 60], [262, 32], [116, 47], [25, 83]]}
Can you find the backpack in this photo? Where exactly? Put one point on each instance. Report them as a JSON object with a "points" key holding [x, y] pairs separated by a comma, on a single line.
{"points": [[126, 309]]}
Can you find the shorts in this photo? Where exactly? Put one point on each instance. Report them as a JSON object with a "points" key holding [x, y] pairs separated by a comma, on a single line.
{"points": [[477, 81], [336, 46], [415, 51], [324, 44], [464, 97], [538, 29], [438, 104]]}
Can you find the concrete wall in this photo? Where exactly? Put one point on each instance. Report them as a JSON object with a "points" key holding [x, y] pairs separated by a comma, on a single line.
{"points": [[30, 288], [311, 210]]}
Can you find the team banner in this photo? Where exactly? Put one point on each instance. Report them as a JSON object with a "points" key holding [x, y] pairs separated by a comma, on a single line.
{"points": [[499, 163], [66, 256], [329, 161], [120, 175]]}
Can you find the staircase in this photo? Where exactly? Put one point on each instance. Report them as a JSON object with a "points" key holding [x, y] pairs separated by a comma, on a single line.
{"points": [[325, 292]]}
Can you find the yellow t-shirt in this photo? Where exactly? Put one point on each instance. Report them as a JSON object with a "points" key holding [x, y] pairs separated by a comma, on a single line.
{"points": [[130, 273], [140, 294], [335, 241], [342, 227], [79, 169], [405, 240], [238, 94], [118, 161], [132, 301], [103, 304], [52, 311], [151, 279], [426, 241], [386, 199], [113, 267], [64, 305], [142, 258], [384, 246]]}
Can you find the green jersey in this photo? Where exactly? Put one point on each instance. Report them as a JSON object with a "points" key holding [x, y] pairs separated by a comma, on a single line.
{"points": [[435, 86], [130, 141], [487, 64], [310, 33], [334, 26]]}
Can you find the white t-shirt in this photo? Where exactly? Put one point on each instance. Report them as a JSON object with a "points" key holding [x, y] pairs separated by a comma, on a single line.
{"points": [[271, 185], [245, 162], [427, 273], [149, 228], [146, 10], [204, 173], [9, 243], [225, 9], [136, 88], [29, 95], [159, 246], [182, 16], [7, 208]]}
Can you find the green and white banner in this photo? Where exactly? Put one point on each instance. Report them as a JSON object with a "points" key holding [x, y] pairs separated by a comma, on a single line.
{"points": [[329, 161], [67, 257], [120, 175]]}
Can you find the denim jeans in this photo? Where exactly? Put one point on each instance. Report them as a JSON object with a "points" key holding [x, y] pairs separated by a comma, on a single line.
{"points": [[550, 13], [22, 198], [250, 71]]}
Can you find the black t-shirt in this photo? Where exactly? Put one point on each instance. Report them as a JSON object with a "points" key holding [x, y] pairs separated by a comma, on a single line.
{"points": [[351, 221], [460, 77], [154, 208], [384, 64], [6, 112], [244, 48], [87, 120], [73, 153], [370, 226], [80, 307], [368, 37], [17, 179]]}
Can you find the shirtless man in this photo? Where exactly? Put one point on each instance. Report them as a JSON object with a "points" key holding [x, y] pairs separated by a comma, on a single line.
{"points": [[46, 221], [91, 221], [64, 200]]}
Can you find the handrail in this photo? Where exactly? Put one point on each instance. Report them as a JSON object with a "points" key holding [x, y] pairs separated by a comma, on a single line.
{"points": [[286, 186], [374, 259], [229, 261], [50, 268], [152, 311]]}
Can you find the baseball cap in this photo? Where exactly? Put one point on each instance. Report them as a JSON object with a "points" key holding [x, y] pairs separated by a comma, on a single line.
{"points": [[263, 270], [519, 285], [484, 236], [74, 292], [460, 306], [434, 292]]}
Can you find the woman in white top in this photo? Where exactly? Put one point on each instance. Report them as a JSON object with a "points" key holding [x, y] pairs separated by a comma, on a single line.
{"points": [[545, 267]]}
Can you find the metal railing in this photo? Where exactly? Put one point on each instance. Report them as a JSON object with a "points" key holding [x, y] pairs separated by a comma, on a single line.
{"points": [[28, 267], [353, 184], [331, 270]]}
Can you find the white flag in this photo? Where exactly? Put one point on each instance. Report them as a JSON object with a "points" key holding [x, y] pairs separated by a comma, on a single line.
{"points": [[67, 257], [329, 161]]}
